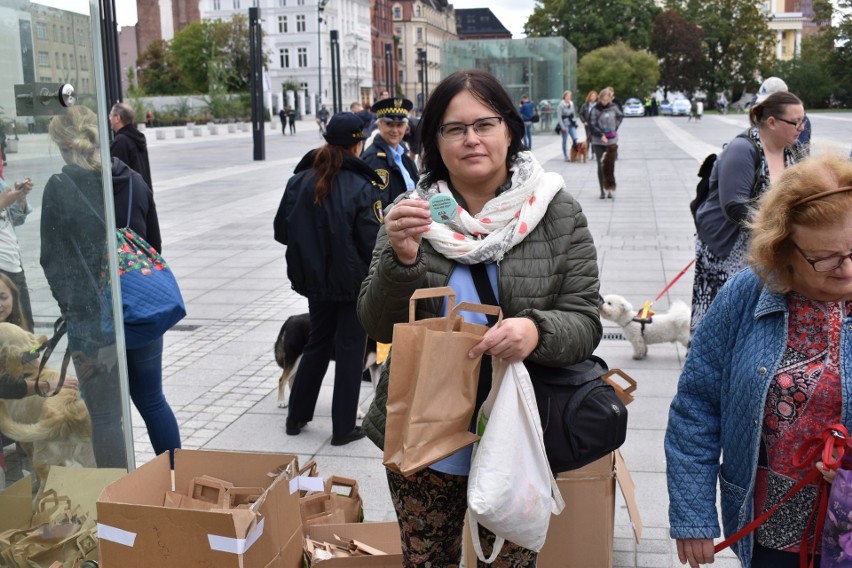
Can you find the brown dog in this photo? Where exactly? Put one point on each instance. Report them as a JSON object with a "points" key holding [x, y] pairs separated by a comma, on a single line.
{"points": [[55, 430], [579, 152]]}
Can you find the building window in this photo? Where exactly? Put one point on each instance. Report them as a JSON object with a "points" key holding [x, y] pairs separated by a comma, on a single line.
{"points": [[300, 2], [397, 32], [83, 63], [303, 56], [399, 54], [285, 58], [282, 3], [55, 36], [236, 4], [41, 31], [419, 35], [417, 10], [282, 24], [255, 3], [73, 62], [401, 76], [217, 4], [397, 12], [64, 61], [43, 59], [56, 56], [300, 23]]}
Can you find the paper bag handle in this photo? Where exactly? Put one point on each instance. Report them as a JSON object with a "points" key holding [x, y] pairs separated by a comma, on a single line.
{"points": [[422, 293], [480, 309]]}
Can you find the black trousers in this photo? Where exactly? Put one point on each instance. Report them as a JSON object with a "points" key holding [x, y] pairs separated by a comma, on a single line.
{"points": [[335, 332], [767, 558]]}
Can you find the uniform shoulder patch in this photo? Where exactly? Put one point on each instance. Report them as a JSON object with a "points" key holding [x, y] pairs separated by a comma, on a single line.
{"points": [[381, 154], [377, 209], [385, 177]]}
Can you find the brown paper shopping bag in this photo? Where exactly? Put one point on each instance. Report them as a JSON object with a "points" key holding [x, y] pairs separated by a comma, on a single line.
{"points": [[432, 386]]}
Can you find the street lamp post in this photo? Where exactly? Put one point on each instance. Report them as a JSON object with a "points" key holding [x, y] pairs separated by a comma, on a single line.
{"points": [[320, 7], [388, 68]]}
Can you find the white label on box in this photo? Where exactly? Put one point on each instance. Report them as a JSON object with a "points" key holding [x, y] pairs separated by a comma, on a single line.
{"points": [[305, 483], [235, 545], [114, 534]]}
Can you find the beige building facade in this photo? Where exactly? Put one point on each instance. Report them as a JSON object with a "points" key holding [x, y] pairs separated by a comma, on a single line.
{"points": [[421, 25]]}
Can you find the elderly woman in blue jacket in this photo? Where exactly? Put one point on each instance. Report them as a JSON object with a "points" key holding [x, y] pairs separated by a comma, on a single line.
{"points": [[769, 367]]}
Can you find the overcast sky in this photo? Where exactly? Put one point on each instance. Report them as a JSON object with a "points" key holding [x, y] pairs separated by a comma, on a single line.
{"points": [[513, 13]]}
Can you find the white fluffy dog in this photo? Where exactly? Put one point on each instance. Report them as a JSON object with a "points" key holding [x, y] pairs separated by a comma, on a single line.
{"points": [[663, 328]]}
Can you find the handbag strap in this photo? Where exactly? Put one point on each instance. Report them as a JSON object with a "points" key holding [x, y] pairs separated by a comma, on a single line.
{"points": [[48, 346], [483, 288]]}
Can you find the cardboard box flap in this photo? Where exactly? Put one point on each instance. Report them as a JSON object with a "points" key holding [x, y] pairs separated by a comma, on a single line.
{"points": [[146, 486], [249, 470], [628, 490], [16, 502]]}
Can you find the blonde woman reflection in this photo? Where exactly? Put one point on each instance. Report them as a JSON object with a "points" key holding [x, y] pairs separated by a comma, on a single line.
{"points": [[73, 248]]}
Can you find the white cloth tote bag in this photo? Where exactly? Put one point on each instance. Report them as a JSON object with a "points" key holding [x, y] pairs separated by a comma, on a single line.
{"points": [[511, 490]]}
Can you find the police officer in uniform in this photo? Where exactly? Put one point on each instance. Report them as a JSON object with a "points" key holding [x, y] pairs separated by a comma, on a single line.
{"points": [[387, 155]]}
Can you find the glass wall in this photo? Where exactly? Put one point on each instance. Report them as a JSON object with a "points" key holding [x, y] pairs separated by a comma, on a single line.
{"points": [[543, 68], [56, 212]]}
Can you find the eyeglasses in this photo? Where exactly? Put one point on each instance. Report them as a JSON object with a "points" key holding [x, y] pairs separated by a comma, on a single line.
{"points": [[825, 264], [455, 131], [796, 125]]}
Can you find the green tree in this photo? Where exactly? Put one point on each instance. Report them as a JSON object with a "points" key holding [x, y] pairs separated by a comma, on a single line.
{"points": [[737, 42], [809, 81], [192, 48], [677, 44], [590, 25], [159, 72], [230, 41], [840, 62], [632, 73]]}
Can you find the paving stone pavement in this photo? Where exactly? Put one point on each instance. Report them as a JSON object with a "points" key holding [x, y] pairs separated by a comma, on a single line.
{"points": [[216, 207]]}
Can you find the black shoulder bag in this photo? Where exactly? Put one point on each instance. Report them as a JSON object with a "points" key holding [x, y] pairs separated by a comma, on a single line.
{"points": [[582, 417]]}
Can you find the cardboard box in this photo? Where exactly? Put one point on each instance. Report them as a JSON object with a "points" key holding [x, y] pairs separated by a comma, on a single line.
{"points": [[384, 536], [582, 536], [136, 530]]}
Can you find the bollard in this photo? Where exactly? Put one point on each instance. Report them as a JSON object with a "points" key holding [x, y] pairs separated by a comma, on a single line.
{"points": [[161, 134], [232, 128], [180, 133], [197, 131]]}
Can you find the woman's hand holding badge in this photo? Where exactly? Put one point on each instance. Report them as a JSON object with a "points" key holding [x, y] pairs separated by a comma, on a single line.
{"points": [[405, 224]]}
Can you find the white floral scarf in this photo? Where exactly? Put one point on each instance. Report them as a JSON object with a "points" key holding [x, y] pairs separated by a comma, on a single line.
{"points": [[504, 221]]}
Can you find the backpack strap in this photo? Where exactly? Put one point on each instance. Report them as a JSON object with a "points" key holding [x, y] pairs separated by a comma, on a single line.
{"points": [[483, 288]]}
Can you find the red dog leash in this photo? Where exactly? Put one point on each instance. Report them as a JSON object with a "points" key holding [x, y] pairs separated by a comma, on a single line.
{"points": [[830, 443]]}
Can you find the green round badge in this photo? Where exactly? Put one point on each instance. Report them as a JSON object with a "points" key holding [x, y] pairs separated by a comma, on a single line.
{"points": [[443, 207]]}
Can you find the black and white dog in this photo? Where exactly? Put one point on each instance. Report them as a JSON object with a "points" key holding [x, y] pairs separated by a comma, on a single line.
{"points": [[289, 346]]}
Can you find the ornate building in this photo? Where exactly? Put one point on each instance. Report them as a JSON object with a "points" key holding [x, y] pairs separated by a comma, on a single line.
{"points": [[421, 27], [790, 20]]}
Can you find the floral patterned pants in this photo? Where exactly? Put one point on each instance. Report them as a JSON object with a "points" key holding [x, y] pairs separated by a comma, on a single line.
{"points": [[430, 506]]}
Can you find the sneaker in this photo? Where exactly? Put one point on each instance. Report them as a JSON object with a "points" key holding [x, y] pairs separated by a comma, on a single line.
{"points": [[356, 434], [609, 194], [293, 428]]}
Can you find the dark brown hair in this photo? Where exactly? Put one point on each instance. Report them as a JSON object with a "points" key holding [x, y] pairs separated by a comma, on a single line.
{"points": [[774, 105], [484, 88], [16, 316], [326, 165]]}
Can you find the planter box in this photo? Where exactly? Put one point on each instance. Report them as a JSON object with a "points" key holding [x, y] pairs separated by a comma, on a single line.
{"points": [[180, 133], [161, 134]]}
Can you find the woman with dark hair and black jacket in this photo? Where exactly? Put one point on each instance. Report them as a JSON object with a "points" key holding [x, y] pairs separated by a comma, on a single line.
{"points": [[328, 219]]}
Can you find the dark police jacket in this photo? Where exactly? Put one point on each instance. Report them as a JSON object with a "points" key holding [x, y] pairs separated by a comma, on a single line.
{"points": [[379, 157], [329, 246]]}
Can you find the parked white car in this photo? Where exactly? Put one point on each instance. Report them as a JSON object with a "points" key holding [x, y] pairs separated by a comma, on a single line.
{"points": [[681, 107], [634, 107]]}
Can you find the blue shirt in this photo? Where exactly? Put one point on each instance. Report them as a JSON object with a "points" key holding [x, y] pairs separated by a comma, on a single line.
{"points": [[462, 284], [397, 158]]}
